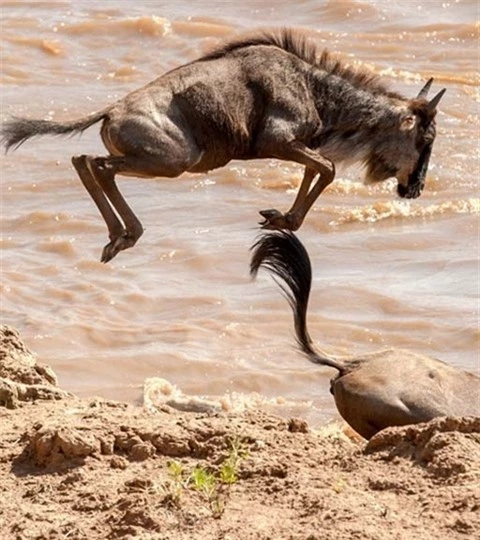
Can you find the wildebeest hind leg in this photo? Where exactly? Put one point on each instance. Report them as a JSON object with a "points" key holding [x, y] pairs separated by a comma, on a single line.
{"points": [[115, 227], [104, 169]]}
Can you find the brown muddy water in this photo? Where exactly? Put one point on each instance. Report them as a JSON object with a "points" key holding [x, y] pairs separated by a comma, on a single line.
{"points": [[180, 305]]}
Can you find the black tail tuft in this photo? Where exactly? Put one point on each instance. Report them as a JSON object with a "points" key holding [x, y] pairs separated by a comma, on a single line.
{"points": [[282, 254]]}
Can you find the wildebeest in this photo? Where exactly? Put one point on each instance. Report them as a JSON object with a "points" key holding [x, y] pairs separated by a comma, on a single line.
{"points": [[269, 94], [376, 390]]}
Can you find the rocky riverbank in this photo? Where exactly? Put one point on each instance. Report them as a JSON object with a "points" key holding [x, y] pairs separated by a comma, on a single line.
{"points": [[94, 469]]}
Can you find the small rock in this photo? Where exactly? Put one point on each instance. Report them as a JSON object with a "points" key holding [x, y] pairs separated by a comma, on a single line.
{"points": [[118, 462], [141, 451], [297, 425]]}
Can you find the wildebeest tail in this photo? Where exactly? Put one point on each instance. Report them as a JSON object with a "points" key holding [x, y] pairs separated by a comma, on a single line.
{"points": [[15, 131], [282, 254]]}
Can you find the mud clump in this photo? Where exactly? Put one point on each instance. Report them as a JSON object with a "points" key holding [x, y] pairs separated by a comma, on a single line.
{"points": [[54, 446], [444, 446]]}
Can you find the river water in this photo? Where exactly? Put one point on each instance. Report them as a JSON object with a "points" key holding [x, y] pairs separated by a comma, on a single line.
{"points": [[180, 305]]}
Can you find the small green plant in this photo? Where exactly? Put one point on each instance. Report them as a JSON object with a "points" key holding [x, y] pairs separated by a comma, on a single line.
{"points": [[203, 480], [176, 470], [214, 487], [208, 484], [229, 468], [178, 482]]}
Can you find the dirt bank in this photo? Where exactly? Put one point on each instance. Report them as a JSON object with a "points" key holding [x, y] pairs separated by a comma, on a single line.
{"points": [[91, 469]]}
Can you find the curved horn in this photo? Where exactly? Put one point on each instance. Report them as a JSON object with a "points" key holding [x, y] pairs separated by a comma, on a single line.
{"points": [[432, 104], [424, 91]]}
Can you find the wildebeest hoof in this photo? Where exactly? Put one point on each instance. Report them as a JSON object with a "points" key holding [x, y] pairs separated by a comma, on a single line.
{"points": [[273, 219], [409, 192], [116, 245], [276, 220], [270, 213]]}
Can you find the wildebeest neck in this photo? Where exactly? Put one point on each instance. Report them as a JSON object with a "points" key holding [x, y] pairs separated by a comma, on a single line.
{"points": [[354, 118]]}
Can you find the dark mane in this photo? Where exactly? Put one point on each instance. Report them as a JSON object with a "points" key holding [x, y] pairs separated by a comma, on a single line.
{"points": [[296, 42]]}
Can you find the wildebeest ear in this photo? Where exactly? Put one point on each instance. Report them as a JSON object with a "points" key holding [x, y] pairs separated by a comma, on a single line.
{"points": [[407, 122]]}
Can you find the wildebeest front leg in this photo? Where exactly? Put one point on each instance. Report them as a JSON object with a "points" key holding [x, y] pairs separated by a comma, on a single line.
{"points": [[271, 216], [315, 164]]}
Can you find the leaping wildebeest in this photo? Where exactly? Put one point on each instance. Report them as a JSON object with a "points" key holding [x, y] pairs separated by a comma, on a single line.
{"points": [[268, 94], [374, 391]]}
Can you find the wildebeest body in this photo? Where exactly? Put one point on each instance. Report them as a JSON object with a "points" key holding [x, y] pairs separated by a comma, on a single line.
{"points": [[266, 95], [224, 107], [397, 387], [393, 387]]}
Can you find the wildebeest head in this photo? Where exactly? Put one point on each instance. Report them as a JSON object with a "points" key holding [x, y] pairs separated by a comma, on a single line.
{"points": [[406, 152]]}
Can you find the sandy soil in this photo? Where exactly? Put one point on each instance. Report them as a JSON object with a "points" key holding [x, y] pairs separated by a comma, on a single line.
{"points": [[90, 469]]}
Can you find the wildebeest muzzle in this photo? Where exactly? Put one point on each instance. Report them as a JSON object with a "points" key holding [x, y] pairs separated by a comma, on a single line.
{"points": [[416, 180]]}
